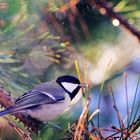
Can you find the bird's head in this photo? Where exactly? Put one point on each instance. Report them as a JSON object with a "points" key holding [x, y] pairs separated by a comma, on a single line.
{"points": [[70, 84]]}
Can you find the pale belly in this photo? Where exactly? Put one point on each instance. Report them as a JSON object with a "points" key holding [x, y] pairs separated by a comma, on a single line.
{"points": [[49, 112]]}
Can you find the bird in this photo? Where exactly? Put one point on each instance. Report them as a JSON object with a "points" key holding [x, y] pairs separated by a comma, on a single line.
{"points": [[48, 100]]}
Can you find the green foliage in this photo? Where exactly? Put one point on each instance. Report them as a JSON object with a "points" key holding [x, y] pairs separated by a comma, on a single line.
{"points": [[26, 31], [129, 8], [13, 8], [56, 129]]}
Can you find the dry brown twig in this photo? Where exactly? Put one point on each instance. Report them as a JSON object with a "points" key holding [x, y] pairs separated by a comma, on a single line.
{"points": [[23, 135], [81, 123]]}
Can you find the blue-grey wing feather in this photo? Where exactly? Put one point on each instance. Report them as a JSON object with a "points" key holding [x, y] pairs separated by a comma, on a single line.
{"points": [[45, 93]]}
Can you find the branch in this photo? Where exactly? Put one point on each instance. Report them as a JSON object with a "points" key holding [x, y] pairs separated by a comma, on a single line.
{"points": [[6, 100], [110, 12]]}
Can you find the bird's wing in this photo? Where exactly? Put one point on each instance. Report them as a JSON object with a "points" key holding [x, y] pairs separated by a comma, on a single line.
{"points": [[35, 98]]}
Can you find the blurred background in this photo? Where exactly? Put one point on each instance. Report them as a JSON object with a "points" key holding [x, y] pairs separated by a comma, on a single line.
{"points": [[40, 40]]}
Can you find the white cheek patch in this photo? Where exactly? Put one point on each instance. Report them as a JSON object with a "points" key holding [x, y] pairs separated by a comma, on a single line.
{"points": [[69, 86]]}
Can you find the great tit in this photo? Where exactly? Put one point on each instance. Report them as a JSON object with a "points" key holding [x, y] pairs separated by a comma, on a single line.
{"points": [[48, 100]]}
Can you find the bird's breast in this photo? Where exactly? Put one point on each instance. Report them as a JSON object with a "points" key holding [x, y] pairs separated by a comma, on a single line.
{"points": [[48, 112]]}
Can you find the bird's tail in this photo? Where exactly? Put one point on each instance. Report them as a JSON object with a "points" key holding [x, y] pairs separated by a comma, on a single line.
{"points": [[6, 112]]}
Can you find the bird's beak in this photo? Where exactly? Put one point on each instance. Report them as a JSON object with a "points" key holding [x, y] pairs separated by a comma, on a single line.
{"points": [[83, 85]]}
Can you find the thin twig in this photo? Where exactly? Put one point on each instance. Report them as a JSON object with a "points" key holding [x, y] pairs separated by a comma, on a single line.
{"points": [[134, 100], [81, 123], [23, 135], [121, 124], [137, 110], [133, 126], [126, 93], [99, 102]]}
